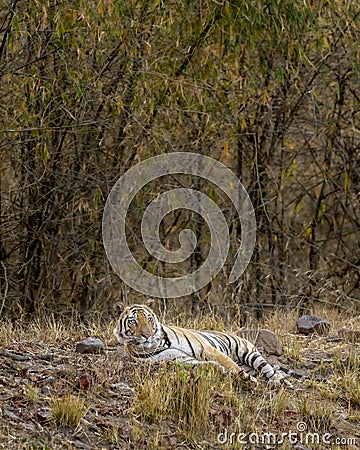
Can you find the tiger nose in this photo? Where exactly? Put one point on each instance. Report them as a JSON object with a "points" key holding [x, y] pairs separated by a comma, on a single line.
{"points": [[146, 335]]}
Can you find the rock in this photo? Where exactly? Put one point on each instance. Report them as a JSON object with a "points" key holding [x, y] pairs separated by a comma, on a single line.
{"points": [[298, 373], [124, 388], [90, 345], [28, 427], [11, 415], [46, 390], [265, 340], [310, 365], [349, 335], [15, 356], [269, 343], [45, 356], [312, 324], [77, 443]]}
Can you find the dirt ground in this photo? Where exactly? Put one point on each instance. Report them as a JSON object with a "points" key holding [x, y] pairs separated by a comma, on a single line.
{"points": [[36, 370]]}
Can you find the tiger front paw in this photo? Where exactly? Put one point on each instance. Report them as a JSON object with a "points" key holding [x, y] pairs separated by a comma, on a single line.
{"points": [[279, 379]]}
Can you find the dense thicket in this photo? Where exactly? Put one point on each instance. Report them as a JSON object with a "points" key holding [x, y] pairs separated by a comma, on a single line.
{"points": [[88, 88]]}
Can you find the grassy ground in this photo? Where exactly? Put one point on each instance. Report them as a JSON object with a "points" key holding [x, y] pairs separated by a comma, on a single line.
{"points": [[53, 398]]}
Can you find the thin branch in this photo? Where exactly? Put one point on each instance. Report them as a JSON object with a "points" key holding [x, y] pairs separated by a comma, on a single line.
{"points": [[6, 288]]}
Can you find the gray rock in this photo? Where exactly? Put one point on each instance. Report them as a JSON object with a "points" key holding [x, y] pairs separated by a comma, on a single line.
{"points": [[269, 342], [11, 415], [298, 373], [310, 365], [265, 340], [43, 415], [89, 345], [124, 388], [312, 324], [46, 390]]}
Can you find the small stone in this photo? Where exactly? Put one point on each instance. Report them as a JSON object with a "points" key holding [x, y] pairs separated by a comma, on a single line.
{"points": [[124, 388], [11, 415], [28, 427], [312, 324], [173, 441], [81, 445], [269, 342], [90, 345], [310, 365], [298, 373], [46, 390], [45, 356], [43, 415]]}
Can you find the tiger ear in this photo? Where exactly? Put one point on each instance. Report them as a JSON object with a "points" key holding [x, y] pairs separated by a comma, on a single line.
{"points": [[118, 307], [150, 302]]}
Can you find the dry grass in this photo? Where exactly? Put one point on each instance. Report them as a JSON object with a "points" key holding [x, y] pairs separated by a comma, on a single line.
{"points": [[67, 411], [181, 393], [130, 405], [31, 394]]}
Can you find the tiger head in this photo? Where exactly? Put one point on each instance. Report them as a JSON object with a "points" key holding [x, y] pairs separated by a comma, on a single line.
{"points": [[138, 325]]}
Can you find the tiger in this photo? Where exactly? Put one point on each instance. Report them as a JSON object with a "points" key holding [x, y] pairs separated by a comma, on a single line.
{"points": [[145, 337]]}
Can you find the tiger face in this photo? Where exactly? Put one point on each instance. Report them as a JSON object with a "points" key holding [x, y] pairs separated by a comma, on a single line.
{"points": [[138, 325]]}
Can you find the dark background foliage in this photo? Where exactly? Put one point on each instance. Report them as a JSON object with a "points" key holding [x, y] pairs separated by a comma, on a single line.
{"points": [[89, 88]]}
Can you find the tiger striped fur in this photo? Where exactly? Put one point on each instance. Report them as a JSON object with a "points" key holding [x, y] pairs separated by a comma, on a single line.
{"points": [[143, 336]]}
